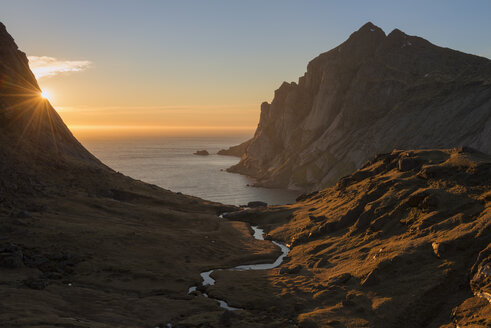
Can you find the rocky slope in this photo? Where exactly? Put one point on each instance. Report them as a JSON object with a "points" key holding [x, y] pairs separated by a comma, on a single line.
{"points": [[369, 95], [402, 242]]}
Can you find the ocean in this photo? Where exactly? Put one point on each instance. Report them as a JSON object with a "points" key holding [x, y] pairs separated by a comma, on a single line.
{"points": [[169, 163]]}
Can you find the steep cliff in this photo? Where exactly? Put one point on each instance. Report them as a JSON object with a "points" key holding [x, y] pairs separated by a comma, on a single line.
{"points": [[371, 94]]}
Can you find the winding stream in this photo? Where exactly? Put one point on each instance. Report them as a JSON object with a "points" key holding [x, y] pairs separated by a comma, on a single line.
{"points": [[208, 280]]}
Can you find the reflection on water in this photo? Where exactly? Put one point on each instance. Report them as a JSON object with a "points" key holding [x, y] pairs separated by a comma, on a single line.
{"points": [[169, 163]]}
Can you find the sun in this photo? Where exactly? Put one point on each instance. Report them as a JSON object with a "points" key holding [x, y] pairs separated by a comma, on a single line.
{"points": [[45, 94]]}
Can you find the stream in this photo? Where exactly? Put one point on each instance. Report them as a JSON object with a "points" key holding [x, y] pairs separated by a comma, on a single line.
{"points": [[208, 280]]}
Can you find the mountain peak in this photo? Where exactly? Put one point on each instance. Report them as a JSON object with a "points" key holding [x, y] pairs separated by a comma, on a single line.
{"points": [[370, 27], [391, 82], [397, 34], [367, 29]]}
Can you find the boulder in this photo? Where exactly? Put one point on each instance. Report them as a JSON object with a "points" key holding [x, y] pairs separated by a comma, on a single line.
{"points": [[291, 270], [438, 249], [340, 279], [408, 163], [371, 279]]}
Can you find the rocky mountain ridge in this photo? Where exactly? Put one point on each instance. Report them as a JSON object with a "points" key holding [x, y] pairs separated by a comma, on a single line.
{"points": [[371, 94]]}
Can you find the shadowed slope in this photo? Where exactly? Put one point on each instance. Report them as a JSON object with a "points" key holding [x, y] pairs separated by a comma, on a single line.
{"points": [[84, 246]]}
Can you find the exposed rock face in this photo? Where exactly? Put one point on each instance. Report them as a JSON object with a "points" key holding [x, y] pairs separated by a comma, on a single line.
{"points": [[236, 151], [369, 95]]}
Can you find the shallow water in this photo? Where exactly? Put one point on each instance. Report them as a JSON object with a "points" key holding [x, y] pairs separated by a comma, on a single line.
{"points": [[169, 163], [258, 234]]}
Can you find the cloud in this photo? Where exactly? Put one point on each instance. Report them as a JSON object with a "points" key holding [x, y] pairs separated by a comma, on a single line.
{"points": [[43, 66]]}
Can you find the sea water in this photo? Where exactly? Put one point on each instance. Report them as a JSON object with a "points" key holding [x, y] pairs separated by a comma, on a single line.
{"points": [[169, 163]]}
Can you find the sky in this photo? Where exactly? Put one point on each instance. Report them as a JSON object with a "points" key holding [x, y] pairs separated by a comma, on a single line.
{"points": [[204, 66]]}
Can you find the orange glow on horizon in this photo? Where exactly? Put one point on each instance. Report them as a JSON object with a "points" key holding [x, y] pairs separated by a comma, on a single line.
{"points": [[130, 131]]}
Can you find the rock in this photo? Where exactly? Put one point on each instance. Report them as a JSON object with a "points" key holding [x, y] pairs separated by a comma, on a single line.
{"points": [[203, 152], [11, 261], [305, 196], [236, 151], [348, 300], [307, 323], [24, 215], [222, 209], [438, 249], [387, 82], [38, 284], [481, 275], [243, 214], [257, 204], [317, 218], [33, 261], [408, 163], [291, 270], [341, 279], [466, 149], [371, 279]]}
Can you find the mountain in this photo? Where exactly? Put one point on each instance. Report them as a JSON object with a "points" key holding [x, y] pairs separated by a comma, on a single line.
{"points": [[369, 95], [405, 241], [35, 141], [84, 246]]}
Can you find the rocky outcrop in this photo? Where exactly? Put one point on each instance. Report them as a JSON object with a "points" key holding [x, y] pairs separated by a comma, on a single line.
{"points": [[203, 152], [236, 151], [371, 94], [387, 247]]}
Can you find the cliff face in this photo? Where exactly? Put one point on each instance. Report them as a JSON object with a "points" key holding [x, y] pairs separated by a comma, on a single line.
{"points": [[371, 94]]}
